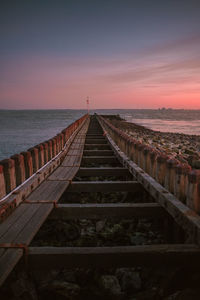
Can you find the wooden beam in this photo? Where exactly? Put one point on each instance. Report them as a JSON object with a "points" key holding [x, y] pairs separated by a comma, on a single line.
{"points": [[123, 256], [93, 135], [100, 159], [104, 186], [97, 152], [95, 211], [90, 172], [95, 141], [96, 146]]}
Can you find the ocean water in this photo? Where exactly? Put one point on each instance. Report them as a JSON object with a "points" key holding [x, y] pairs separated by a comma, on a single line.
{"points": [[22, 129]]}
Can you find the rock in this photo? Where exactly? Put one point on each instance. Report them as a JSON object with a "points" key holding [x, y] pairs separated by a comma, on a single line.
{"points": [[138, 239], [129, 279], [187, 294], [146, 295], [61, 290], [100, 225], [71, 232], [68, 276], [23, 288], [110, 285]]}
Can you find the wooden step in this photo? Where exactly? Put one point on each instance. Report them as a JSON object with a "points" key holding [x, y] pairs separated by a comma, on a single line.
{"points": [[96, 141], [97, 152], [104, 186], [100, 159], [122, 256], [91, 172], [108, 210], [97, 146]]}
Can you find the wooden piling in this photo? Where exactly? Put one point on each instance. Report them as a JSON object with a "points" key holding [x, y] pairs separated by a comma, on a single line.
{"points": [[19, 168], [9, 174]]}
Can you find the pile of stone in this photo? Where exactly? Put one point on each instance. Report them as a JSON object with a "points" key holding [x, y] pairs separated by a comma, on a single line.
{"points": [[183, 147]]}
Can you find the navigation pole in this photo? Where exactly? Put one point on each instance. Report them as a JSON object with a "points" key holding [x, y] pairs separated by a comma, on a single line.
{"points": [[88, 105]]}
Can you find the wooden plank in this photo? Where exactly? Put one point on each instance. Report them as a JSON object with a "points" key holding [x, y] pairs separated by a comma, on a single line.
{"points": [[100, 159], [95, 137], [21, 233], [128, 256], [104, 186], [98, 153], [95, 141], [12, 219], [49, 191], [63, 173], [96, 146], [108, 210], [26, 235], [74, 152], [90, 172], [10, 235], [77, 146], [8, 261], [70, 161], [92, 135]]}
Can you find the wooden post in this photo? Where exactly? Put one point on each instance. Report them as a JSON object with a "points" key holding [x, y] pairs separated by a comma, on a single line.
{"points": [[193, 193], [152, 168], [181, 181], [170, 174], [41, 155], [54, 148], [46, 156], [35, 158], [161, 168], [2, 182], [19, 168], [28, 163], [140, 155], [9, 174], [146, 155], [50, 150]]}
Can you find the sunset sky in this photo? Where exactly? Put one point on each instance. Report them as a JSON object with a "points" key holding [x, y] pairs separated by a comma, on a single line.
{"points": [[120, 53]]}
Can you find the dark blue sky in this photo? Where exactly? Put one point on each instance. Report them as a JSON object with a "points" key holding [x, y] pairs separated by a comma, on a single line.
{"points": [[81, 37]]}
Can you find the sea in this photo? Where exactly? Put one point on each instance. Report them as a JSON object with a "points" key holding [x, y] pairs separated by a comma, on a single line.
{"points": [[22, 129]]}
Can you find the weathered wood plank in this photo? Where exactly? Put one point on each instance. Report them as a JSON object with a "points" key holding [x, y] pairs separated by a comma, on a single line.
{"points": [[90, 172], [49, 191], [34, 223], [96, 146], [97, 152], [8, 261], [96, 141], [95, 211], [63, 173], [75, 152], [104, 186], [10, 235], [129, 256], [100, 159], [70, 161]]}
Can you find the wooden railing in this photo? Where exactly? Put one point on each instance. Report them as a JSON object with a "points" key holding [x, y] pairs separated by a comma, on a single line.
{"points": [[178, 178], [21, 173]]}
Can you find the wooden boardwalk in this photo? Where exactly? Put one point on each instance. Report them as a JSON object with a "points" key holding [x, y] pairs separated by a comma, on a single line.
{"points": [[90, 148]]}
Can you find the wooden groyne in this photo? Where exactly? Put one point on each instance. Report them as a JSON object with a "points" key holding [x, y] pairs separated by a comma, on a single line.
{"points": [[177, 177], [93, 148]]}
